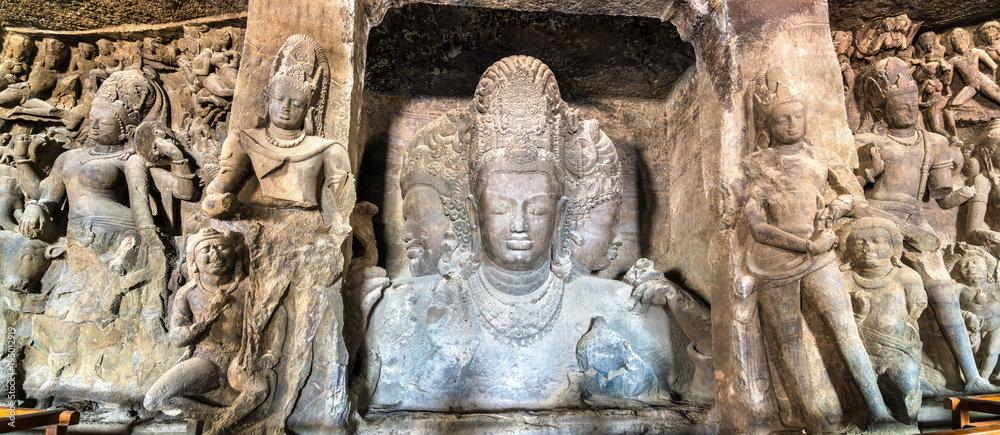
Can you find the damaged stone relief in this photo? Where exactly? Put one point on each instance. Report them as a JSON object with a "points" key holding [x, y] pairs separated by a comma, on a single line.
{"points": [[471, 217]]}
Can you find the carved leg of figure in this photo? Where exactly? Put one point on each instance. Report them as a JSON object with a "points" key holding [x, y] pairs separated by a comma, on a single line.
{"points": [[901, 385], [781, 315], [961, 97], [991, 91], [190, 377], [824, 290], [935, 120], [989, 349], [949, 122], [941, 298]]}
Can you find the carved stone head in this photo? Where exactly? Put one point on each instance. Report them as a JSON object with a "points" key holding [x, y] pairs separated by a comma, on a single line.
{"points": [[125, 100], [19, 47], [594, 192], [960, 40], [779, 110], [989, 32], [87, 51], [295, 96], [56, 53], [105, 47], [970, 265], [871, 243], [217, 253], [891, 94], [515, 165]]}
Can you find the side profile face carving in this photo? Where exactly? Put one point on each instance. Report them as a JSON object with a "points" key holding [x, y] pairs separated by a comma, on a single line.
{"points": [[593, 188], [434, 182], [424, 226]]}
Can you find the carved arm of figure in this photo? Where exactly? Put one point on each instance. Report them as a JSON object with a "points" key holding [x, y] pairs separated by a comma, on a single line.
{"points": [[339, 182], [651, 287], [220, 198], [916, 299], [763, 232], [23, 156], [184, 331], [180, 180], [872, 167], [37, 215]]}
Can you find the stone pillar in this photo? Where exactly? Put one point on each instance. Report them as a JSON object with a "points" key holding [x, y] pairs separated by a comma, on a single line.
{"points": [[734, 41], [323, 401]]}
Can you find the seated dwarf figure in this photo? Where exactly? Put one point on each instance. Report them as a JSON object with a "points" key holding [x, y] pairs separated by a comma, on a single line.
{"points": [[888, 299], [504, 335], [207, 318]]}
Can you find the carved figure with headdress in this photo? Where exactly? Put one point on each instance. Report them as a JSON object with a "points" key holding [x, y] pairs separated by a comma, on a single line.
{"points": [[434, 185], [989, 34], [509, 306], [207, 318], [594, 194], [795, 192], [888, 298], [295, 166], [107, 182], [903, 163]]}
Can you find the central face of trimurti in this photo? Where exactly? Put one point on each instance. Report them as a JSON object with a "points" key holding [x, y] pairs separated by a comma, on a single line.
{"points": [[517, 215]]}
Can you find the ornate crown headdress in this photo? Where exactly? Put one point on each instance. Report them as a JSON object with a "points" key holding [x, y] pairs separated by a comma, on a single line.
{"points": [[302, 64], [986, 27], [774, 88], [133, 98], [520, 117], [593, 171]]}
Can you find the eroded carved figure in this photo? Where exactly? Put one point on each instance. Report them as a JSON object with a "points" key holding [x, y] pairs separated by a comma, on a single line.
{"points": [[207, 318], [285, 173], [794, 194], [976, 270], [888, 298], [904, 163]]}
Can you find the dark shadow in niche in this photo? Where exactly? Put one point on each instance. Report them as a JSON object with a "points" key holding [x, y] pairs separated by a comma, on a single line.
{"points": [[371, 179], [432, 50], [647, 207]]}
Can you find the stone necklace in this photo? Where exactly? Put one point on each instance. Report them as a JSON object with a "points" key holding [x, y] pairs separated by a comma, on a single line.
{"points": [[876, 282], [906, 142], [280, 143], [518, 320]]}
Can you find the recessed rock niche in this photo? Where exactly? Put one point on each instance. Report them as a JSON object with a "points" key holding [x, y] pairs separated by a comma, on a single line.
{"points": [[499, 217]]}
